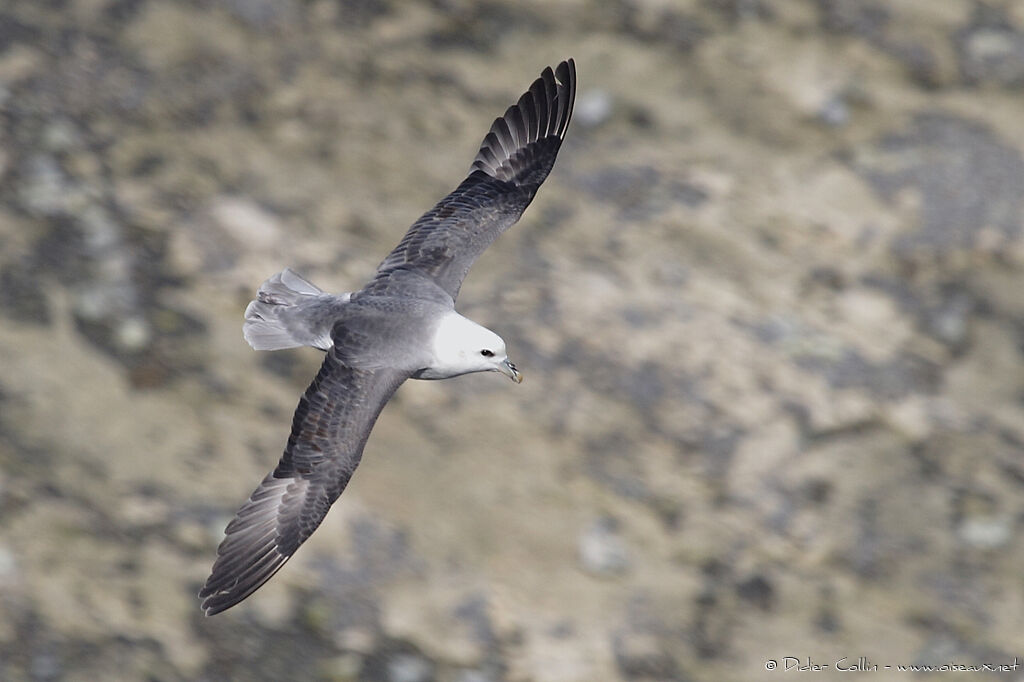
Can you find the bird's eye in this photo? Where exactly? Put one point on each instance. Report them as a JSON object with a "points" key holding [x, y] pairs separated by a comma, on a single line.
{"points": [[487, 353]]}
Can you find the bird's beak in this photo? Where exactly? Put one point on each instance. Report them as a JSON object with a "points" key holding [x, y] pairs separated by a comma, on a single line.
{"points": [[510, 370]]}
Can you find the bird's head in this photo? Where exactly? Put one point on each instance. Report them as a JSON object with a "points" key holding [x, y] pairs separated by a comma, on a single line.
{"points": [[461, 346]]}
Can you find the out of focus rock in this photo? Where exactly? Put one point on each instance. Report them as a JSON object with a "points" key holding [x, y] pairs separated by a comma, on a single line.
{"points": [[22, 294], [475, 676], [250, 225], [409, 668], [757, 590], [834, 112], [642, 656], [8, 567], [593, 108], [971, 180], [133, 334], [989, 532], [602, 550], [343, 668], [44, 189], [991, 49]]}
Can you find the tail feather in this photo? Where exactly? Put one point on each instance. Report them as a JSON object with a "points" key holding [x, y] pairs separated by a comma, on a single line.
{"points": [[286, 287], [290, 311]]}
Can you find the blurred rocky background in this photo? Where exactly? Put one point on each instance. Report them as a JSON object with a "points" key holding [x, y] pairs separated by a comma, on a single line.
{"points": [[768, 306]]}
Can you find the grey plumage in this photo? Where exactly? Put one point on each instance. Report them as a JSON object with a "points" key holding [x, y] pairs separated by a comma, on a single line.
{"points": [[383, 334], [516, 156], [290, 311], [329, 430]]}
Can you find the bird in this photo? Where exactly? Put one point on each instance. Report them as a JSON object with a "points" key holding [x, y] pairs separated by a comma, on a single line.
{"points": [[401, 325]]}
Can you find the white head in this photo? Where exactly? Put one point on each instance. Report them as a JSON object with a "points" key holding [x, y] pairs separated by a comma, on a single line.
{"points": [[461, 346]]}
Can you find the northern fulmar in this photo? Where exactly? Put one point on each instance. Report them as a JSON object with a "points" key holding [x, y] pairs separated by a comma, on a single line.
{"points": [[401, 325]]}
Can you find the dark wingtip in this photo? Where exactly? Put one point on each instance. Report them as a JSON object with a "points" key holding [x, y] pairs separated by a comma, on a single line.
{"points": [[541, 115], [252, 550], [222, 591]]}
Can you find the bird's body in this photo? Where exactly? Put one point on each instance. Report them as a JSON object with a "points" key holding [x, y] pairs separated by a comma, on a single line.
{"points": [[401, 325]]}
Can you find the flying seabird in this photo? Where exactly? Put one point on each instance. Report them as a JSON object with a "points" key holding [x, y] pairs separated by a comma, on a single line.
{"points": [[401, 325]]}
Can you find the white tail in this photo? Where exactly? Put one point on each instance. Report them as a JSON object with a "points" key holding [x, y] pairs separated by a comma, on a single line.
{"points": [[288, 312]]}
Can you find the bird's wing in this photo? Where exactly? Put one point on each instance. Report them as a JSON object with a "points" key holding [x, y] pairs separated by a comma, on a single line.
{"points": [[330, 428], [514, 159]]}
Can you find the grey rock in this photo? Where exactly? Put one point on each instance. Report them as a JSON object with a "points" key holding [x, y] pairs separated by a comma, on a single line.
{"points": [[60, 136], [865, 18], [993, 55], [409, 668], [835, 112], [45, 189], [23, 294], [988, 532], [642, 656], [970, 180], [593, 108], [45, 666], [602, 550], [8, 567], [476, 676], [757, 590], [991, 49]]}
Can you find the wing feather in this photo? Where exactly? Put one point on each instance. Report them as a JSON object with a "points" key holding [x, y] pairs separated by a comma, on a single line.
{"points": [[514, 159], [331, 424]]}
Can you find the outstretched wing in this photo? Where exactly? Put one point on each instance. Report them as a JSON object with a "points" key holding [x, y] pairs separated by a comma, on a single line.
{"points": [[330, 428], [514, 159]]}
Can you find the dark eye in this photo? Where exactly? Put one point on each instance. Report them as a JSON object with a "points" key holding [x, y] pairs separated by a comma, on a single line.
{"points": [[487, 353]]}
